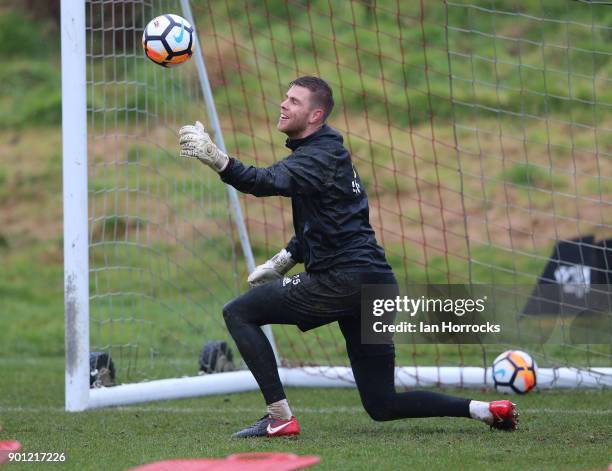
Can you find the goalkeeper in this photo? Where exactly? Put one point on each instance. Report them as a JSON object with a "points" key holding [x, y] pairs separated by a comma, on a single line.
{"points": [[335, 242]]}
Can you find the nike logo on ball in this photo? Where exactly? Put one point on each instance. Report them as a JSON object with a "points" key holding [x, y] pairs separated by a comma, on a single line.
{"points": [[500, 372], [273, 430], [179, 37]]}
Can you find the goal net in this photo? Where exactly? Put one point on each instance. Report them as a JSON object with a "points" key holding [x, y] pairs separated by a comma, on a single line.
{"points": [[481, 131]]}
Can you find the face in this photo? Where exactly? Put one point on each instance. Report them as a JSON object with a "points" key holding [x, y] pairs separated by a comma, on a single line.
{"points": [[297, 117]]}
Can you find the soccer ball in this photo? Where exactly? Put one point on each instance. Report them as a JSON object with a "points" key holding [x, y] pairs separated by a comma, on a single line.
{"points": [[514, 371], [168, 40]]}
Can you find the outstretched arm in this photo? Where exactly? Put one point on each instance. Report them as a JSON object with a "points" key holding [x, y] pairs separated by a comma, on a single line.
{"points": [[298, 174]]}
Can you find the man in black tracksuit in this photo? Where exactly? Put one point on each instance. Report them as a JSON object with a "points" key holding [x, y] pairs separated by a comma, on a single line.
{"points": [[334, 240]]}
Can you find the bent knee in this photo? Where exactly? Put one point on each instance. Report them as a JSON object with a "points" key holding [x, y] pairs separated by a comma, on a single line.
{"points": [[239, 311], [379, 411], [232, 314]]}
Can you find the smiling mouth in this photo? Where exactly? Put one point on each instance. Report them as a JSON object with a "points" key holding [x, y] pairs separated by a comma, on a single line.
{"points": [[284, 117]]}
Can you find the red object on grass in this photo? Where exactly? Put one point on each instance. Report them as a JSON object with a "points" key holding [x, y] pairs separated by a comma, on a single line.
{"points": [[237, 462], [505, 415], [6, 448]]}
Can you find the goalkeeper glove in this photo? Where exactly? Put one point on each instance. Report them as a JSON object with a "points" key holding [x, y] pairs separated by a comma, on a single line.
{"points": [[196, 143], [273, 269]]}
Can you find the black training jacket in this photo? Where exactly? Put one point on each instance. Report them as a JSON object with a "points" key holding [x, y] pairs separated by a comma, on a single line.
{"points": [[330, 206]]}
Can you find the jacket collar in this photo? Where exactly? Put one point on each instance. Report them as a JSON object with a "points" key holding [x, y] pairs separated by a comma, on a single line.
{"points": [[295, 143]]}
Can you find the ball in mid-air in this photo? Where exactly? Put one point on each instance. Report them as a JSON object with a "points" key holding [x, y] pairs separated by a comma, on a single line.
{"points": [[168, 40], [514, 371]]}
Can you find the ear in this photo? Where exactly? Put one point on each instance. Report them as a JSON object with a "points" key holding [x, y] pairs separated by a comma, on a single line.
{"points": [[316, 116]]}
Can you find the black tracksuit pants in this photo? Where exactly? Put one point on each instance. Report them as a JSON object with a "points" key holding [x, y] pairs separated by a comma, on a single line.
{"points": [[310, 300]]}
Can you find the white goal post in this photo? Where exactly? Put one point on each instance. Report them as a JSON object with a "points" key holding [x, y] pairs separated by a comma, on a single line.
{"points": [[76, 240], [79, 224]]}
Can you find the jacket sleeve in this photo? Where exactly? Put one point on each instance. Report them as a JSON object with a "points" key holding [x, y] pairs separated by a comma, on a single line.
{"points": [[298, 174], [295, 249]]}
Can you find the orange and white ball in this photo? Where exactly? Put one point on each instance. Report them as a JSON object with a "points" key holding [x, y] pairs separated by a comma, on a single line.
{"points": [[514, 371], [168, 40]]}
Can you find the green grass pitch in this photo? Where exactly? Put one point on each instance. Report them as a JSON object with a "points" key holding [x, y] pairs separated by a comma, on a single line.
{"points": [[559, 430]]}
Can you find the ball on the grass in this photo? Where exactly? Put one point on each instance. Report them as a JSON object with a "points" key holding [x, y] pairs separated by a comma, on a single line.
{"points": [[514, 372]]}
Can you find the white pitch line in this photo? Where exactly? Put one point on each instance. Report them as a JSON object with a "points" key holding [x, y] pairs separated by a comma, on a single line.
{"points": [[305, 410], [567, 411]]}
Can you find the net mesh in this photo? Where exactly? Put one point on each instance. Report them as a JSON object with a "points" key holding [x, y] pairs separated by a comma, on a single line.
{"points": [[162, 249], [481, 131]]}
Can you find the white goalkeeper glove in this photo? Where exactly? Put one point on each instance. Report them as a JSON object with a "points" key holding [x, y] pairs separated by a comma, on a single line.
{"points": [[273, 269], [196, 143]]}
